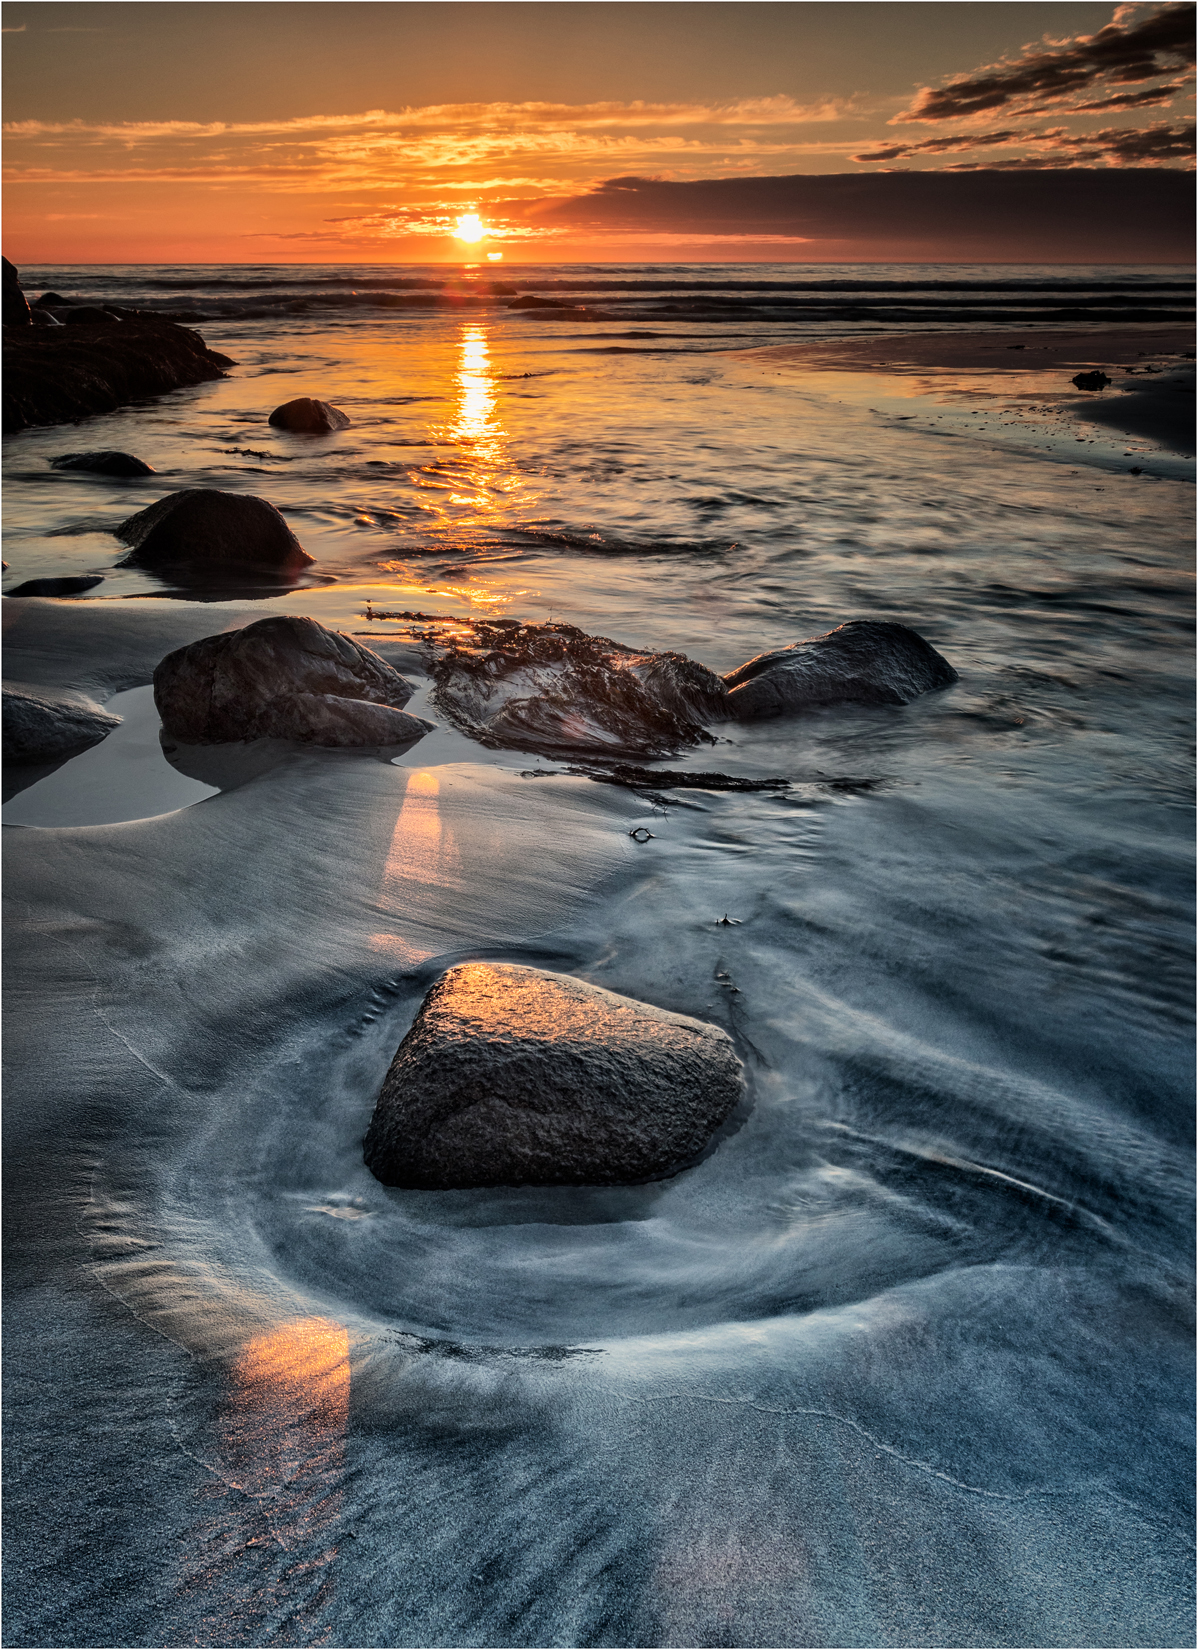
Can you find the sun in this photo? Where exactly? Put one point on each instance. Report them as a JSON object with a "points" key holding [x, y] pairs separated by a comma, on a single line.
{"points": [[470, 227]]}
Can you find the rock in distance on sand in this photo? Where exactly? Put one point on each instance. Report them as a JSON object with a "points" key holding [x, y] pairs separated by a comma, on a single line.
{"points": [[515, 1076], [307, 417]]}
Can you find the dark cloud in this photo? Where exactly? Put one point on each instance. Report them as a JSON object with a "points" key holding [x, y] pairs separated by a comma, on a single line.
{"points": [[1011, 213], [1119, 54], [1112, 146], [1132, 100]]}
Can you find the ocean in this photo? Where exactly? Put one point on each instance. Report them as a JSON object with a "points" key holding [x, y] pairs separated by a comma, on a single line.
{"points": [[906, 1358]]}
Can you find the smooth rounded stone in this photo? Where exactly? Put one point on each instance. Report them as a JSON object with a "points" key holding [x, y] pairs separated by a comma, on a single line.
{"points": [[43, 317], [514, 1076], [104, 464], [203, 528], [307, 417], [40, 723], [284, 678], [864, 662], [67, 586]]}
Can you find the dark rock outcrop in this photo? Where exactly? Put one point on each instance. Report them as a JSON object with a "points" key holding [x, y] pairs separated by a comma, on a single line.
{"points": [[103, 464], [864, 662], [552, 687], [514, 1076], [203, 532], [57, 587], [90, 315], [41, 724], [53, 375], [307, 417], [54, 300], [283, 678], [1091, 380], [43, 317], [15, 304]]}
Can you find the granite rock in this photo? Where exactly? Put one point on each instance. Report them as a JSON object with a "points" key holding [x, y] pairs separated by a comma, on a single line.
{"points": [[284, 678], [41, 723], [864, 662], [515, 1076]]}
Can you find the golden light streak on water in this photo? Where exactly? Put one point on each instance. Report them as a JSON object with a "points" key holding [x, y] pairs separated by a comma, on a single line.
{"points": [[265, 1548], [422, 850]]}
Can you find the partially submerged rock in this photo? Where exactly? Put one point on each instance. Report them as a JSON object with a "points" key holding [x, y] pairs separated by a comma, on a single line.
{"points": [[552, 687], [53, 375], [864, 662], [307, 417], [284, 678], [66, 586], [41, 723], [202, 529], [514, 1076], [1091, 380], [102, 463]]}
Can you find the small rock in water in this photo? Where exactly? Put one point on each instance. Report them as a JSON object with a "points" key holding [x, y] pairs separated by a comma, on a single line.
{"points": [[514, 1076], [284, 678], [1091, 380], [307, 417], [104, 464], [865, 662], [202, 529], [41, 724], [66, 586]]}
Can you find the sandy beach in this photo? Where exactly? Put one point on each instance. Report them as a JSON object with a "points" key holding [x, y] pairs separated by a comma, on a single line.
{"points": [[910, 1332]]}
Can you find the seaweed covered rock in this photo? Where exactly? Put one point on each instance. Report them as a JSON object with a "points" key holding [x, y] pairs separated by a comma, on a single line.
{"points": [[552, 687], [203, 530], [54, 375], [283, 678], [514, 1076], [41, 723], [864, 662], [103, 464], [307, 417]]}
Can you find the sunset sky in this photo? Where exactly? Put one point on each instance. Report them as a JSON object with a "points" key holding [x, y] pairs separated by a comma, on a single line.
{"points": [[247, 132]]}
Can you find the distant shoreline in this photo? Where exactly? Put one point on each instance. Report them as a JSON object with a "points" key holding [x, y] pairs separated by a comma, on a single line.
{"points": [[1157, 407], [1005, 349]]}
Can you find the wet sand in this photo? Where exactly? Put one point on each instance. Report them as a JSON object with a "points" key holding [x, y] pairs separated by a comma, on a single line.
{"points": [[1158, 407], [972, 351]]}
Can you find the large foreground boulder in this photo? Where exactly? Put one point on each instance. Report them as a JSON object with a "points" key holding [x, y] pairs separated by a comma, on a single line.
{"points": [[41, 724], [54, 375], [284, 678], [514, 1076], [307, 417], [864, 662], [203, 530]]}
